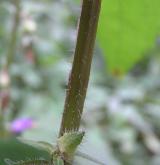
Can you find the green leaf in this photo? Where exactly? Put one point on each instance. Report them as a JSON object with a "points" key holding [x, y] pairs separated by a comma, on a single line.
{"points": [[12, 151], [39, 145], [127, 30], [34, 162]]}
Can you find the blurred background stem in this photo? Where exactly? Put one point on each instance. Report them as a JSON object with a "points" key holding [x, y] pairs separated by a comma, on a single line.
{"points": [[13, 39], [4, 101], [1, 124], [79, 77]]}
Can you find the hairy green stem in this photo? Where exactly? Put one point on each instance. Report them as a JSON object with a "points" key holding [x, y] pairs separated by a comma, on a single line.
{"points": [[79, 77], [13, 40]]}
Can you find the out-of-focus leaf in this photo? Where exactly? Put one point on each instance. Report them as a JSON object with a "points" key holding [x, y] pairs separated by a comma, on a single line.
{"points": [[85, 156], [38, 144], [127, 30]]}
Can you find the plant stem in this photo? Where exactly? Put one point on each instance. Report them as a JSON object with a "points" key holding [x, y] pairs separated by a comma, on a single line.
{"points": [[9, 59], [1, 126], [79, 77], [13, 40]]}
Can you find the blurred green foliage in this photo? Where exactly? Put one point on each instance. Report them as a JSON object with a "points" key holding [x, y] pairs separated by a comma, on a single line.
{"points": [[127, 31]]}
